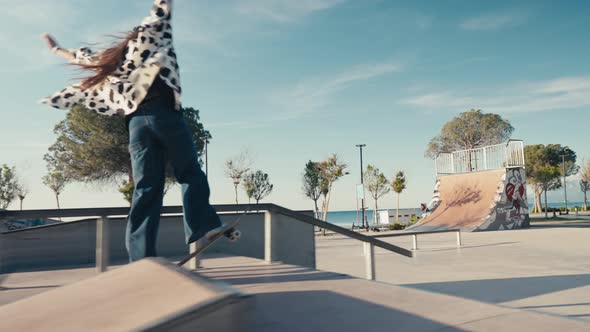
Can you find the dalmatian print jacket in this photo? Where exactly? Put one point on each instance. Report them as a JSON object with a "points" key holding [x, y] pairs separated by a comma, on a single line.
{"points": [[150, 54]]}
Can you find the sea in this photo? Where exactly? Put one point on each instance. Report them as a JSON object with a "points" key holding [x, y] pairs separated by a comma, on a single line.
{"points": [[347, 218]]}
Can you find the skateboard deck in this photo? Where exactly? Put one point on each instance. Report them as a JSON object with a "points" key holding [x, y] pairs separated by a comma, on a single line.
{"points": [[229, 231]]}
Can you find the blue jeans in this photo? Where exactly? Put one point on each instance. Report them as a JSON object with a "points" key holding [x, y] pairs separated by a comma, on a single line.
{"points": [[158, 134]]}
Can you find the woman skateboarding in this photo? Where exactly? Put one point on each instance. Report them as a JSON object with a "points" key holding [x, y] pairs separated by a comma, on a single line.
{"points": [[139, 78]]}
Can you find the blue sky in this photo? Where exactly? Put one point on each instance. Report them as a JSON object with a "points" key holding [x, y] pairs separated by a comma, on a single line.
{"points": [[292, 81]]}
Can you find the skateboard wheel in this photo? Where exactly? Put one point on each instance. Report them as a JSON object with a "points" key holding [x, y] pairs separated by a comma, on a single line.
{"points": [[234, 235]]}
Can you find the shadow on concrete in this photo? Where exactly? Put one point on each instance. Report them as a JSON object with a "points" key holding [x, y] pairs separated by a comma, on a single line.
{"points": [[2, 288], [505, 290], [465, 247], [225, 273], [555, 305], [549, 224], [339, 245], [579, 315], [329, 311], [272, 277], [246, 268]]}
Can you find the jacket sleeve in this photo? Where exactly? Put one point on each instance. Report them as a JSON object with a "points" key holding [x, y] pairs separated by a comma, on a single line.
{"points": [[161, 11], [83, 56]]}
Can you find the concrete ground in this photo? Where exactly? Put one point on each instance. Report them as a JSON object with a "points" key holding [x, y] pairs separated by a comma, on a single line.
{"points": [[292, 298], [544, 269], [531, 280]]}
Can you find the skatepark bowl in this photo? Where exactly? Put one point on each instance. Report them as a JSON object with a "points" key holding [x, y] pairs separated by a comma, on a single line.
{"points": [[281, 276]]}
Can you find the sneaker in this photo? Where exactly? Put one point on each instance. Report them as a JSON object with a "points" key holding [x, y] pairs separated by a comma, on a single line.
{"points": [[209, 236]]}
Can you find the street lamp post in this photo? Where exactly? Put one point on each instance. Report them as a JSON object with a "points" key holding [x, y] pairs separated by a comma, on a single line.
{"points": [[363, 220], [206, 159], [564, 183]]}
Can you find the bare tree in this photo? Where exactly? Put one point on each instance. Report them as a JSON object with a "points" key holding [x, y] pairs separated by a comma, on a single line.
{"points": [[22, 190], [56, 181], [236, 169]]}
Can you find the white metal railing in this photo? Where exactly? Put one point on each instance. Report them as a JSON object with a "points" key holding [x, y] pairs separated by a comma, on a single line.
{"points": [[271, 252], [485, 158]]}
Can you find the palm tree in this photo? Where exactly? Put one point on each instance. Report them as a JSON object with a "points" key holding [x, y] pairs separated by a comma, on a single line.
{"points": [[398, 184]]}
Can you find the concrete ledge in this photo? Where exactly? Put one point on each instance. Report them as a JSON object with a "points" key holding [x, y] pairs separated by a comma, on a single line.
{"points": [[150, 295], [73, 244]]}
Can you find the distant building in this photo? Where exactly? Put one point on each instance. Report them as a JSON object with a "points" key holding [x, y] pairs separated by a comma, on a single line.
{"points": [[386, 217]]}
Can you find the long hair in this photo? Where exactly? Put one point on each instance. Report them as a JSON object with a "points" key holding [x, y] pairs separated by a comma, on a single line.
{"points": [[108, 61]]}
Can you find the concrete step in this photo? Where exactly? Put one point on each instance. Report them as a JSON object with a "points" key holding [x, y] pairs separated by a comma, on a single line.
{"points": [[152, 294]]}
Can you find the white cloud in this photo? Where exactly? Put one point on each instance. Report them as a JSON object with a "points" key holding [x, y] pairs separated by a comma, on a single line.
{"points": [[547, 95], [495, 21], [39, 12], [21, 26], [222, 26], [312, 94], [283, 11]]}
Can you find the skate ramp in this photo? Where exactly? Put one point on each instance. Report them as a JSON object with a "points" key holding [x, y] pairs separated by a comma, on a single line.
{"points": [[478, 201], [151, 294]]}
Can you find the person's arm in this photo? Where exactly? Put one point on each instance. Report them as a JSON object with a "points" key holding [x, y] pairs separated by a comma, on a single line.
{"points": [[161, 11], [82, 55], [52, 44]]}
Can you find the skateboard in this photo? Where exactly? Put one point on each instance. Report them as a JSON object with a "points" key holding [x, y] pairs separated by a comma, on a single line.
{"points": [[229, 231]]}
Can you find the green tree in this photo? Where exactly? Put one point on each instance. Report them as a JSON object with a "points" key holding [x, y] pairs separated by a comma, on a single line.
{"points": [[399, 184], [91, 147], [126, 188], [537, 158], [312, 187], [377, 185], [470, 130], [331, 170], [8, 185], [249, 186], [94, 148], [56, 181], [237, 168], [257, 185], [545, 178], [567, 164], [200, 135], [585, 183]]}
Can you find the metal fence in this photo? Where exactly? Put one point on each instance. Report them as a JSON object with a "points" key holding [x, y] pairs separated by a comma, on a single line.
{"points": [[485, 158]]}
